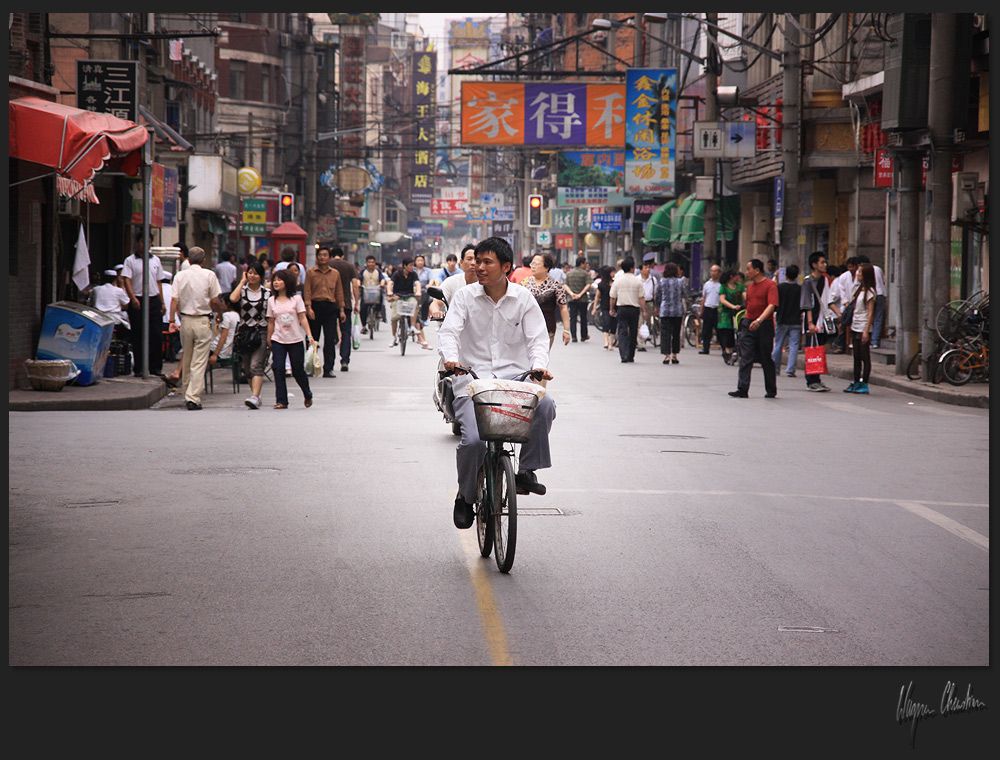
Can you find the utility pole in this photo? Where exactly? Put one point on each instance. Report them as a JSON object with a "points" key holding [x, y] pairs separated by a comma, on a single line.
{"points": [[937, 221], [791, 85], [312, 85], [908, 258], [710, 222]]}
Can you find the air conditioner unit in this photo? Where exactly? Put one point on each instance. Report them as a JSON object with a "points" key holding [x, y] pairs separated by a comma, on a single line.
{"points": [[963, 195], [762, 224], [69, 206]]}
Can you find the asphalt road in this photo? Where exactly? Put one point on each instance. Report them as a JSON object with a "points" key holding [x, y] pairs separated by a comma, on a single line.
{"points": [[681, 527]]}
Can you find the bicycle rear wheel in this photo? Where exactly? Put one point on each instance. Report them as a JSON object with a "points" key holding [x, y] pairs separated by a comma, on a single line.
{"points": [[504, 513], [484, 521]]}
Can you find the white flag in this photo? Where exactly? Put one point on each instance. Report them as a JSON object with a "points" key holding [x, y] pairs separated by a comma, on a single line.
{"points": [[81, 271]]}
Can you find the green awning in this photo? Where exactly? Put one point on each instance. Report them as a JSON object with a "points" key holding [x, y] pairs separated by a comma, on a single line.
{"points": [[689, 221], [657, 229]]}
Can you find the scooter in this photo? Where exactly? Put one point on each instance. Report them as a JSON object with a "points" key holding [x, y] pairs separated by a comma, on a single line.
{"points": [[444, 394]]}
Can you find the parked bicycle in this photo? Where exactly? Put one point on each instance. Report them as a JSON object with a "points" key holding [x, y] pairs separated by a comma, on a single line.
{"points": [[691, 325], [968, 360], [503, 416]]}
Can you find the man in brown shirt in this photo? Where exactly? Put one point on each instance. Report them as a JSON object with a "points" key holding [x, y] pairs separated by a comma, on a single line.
{"points": [[323, 295], [352, 302]]}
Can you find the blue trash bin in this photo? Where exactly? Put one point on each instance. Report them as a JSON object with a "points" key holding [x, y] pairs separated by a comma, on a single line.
{"points": [[79, 333]]}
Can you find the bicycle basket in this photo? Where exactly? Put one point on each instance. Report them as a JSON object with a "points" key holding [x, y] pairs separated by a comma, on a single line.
{"points": [[406, 308], [371, 293], [504, 409]]}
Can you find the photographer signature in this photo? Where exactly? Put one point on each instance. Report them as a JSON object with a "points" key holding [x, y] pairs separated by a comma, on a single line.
{"points": [[908, 710]]}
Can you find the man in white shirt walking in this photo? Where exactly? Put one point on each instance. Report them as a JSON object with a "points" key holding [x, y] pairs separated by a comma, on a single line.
{"points": [[195, 296], [628, 304], [498, 331], [709, 313]]}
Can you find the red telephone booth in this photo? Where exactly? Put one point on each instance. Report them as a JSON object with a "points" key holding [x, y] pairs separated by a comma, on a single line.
{"points": [[291, 234]]}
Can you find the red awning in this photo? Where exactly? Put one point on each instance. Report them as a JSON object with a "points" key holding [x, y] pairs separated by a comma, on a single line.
{"points": [[74, 142]]}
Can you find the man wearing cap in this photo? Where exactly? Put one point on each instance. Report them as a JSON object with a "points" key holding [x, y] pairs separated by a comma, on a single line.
{"points": [[111, 299], [136, 288], [195, 296]]}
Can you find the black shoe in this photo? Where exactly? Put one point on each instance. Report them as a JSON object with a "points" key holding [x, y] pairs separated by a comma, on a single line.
{"points": [[193, 406], [703, 352], [525, 482], [463, 513], [328, 374], [343, 368], [739, 394], [770, 395]]}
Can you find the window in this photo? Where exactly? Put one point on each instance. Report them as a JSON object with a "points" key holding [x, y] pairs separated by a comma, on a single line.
{"points": [[265, 84], [237, 79]]}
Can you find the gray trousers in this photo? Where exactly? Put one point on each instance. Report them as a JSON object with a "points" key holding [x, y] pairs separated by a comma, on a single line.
{"points": [[471, 450]]}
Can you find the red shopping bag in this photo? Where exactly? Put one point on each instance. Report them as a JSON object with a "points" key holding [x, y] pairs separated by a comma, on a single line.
{"points": [[815, 360]]}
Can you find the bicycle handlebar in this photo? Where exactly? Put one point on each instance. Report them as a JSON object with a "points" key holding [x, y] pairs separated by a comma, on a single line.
{"points": [[535, 374]]}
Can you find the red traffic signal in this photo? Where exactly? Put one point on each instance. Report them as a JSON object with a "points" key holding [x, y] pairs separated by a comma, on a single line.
{"points": [[286, 206], [534, 211]]}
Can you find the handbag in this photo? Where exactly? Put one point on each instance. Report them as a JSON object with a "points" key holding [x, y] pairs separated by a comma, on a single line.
{"points": [[815, 358], [247, 339]]}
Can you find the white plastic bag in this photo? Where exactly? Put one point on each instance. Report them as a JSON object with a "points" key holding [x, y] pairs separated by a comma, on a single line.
{"points": [[356, 332], [314, 360], [643, 331]]}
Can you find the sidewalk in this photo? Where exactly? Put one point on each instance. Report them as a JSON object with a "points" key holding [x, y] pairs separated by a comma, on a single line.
{"points": [[841, 366], [136, 393]]}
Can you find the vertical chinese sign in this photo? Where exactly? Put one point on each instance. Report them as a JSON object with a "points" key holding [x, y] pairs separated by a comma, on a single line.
{"points": [[108, 87], [423, 79], [650, 131], [353, 28]]}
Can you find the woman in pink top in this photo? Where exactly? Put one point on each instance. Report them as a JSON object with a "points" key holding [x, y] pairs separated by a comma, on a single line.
{"points": [[287, 328]]}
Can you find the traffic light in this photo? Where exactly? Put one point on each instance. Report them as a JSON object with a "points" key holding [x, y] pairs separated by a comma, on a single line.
{"points": [[534, 211], [286, 205]]}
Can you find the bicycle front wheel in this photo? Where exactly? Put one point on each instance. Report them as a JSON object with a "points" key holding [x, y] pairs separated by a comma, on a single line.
{"points": [[403, 332], [692, 326], [956, 365], [504, 513]]}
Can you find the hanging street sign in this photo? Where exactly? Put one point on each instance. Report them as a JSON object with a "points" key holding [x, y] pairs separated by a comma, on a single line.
{"points": [[725, 139]]}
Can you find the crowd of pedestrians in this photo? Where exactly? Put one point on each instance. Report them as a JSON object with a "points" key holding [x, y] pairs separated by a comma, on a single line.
{"points": [[263, 314]]}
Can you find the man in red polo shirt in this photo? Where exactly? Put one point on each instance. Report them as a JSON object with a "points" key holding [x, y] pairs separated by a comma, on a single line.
{"points": [[757, 331]]}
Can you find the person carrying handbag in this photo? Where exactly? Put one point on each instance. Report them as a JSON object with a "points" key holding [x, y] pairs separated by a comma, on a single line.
{"points": [[819, 319], [251, 333]]}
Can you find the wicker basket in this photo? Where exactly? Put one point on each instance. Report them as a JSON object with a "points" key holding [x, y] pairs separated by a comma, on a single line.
{"points": [[50, 374]]}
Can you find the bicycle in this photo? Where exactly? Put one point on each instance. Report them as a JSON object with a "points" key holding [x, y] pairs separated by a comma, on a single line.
{"points": [[969, 359], [691, 326], [503, 416], [406, 307], [373, 297]]}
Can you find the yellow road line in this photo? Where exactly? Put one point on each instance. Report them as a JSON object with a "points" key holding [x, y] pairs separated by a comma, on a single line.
{"points": [[479, 569]]}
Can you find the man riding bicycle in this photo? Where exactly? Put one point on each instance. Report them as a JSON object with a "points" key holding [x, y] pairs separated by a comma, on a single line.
{"points": [[372, 286], [406, 285], [497, 330]]}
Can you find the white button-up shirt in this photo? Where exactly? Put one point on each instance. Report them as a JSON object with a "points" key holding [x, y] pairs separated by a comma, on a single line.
{"points": [[501, 339]]}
